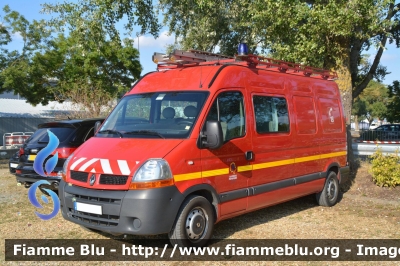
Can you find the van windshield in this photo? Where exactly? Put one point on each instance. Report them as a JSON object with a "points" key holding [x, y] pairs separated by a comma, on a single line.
{"points": [[154, 115]]}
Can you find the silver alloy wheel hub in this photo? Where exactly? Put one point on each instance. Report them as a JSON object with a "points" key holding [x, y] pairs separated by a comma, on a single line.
{"points": [[196, 223], [331, 189]]}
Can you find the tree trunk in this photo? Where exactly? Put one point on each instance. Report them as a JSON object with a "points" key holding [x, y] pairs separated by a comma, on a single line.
{"points": [[345, 87], [356, 126]]}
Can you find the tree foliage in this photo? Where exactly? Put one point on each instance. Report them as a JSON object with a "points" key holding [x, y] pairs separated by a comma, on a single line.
{"points": [[86, 67], [394, 104], [17, 71], [372, 102], [329, 34], [99, 17]]}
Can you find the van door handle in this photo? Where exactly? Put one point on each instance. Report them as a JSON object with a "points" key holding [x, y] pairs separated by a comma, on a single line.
{"points": [[249, 155]]}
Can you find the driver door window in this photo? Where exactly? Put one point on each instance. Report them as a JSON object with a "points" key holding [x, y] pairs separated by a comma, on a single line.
{"points": [[228, 108]]}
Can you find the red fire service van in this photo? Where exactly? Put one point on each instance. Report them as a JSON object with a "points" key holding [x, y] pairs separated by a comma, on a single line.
{"points": [[206, 138]]}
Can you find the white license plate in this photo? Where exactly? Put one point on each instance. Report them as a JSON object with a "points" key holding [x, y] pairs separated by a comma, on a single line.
{"points": [[13, 165], [89, 208]]}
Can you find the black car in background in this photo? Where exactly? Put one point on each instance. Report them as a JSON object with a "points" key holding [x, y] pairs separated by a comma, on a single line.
{"points": [[388, 132], [70, 133], [13, 162]]}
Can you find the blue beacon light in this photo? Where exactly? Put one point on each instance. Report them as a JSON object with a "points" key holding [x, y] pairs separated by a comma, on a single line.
{"points": [[242, 49]]}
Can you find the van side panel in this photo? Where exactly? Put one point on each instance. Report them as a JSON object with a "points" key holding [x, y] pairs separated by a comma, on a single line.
{"points": [[332, 124], [305, 131], [292, 164], [272, 142]]}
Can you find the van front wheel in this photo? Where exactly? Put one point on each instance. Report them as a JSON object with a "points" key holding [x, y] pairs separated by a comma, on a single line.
{"points": [[330, 194], [195, 223]]}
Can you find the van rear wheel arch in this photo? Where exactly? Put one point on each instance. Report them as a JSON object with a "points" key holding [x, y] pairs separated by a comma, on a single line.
{"points": [[333, 167]]}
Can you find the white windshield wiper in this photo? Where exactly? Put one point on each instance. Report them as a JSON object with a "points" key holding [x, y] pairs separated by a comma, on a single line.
{"points": [[145, 132], [111, 132]]}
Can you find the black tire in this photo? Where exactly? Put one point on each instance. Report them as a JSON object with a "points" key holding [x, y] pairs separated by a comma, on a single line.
{"points": [[194, 224], [330, 194]]}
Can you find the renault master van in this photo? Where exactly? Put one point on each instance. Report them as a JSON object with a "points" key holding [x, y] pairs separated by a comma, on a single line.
{"points": [[206, 138]]}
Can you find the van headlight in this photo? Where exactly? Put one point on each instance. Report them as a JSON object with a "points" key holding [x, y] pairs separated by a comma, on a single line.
{"points": [[153, 169], [64, 170], [152, 174]]}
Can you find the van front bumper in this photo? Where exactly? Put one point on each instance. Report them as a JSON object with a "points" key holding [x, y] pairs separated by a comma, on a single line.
{"points": [[136, 212]]}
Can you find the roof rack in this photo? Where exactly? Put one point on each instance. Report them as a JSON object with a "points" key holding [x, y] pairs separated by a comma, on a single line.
{"points": [[180, 58]]}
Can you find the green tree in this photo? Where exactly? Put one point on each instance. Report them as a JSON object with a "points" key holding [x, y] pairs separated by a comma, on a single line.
{"points": [[16, 71], [359, 111], [329, 34], [90, 75], [374, 99], [99, 17], [393, 114], [88, 68]]}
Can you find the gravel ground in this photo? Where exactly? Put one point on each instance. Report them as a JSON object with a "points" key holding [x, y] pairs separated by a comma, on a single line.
{"points": [[364, 212]]}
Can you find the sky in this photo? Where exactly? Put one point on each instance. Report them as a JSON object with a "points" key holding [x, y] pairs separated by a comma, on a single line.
{"points": [[148, 45]]}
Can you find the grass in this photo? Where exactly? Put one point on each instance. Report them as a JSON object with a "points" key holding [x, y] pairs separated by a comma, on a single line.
{"points": [[355, 216]]}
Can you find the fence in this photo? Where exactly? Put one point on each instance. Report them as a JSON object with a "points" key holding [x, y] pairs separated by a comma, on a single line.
{"points": [[372, 140], [382, 136], [19, 124]]}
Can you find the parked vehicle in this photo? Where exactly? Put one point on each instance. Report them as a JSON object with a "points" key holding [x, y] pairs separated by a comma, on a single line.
{"points": [[254, 132], [388, 132], [70, 133], [374, 125], [13, 162]]}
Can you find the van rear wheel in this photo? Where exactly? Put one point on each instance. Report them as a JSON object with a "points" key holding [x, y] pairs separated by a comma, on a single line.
{"points": [[330, 194], [194, 224]]}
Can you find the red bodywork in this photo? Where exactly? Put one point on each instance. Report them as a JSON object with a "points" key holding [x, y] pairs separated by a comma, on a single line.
{"points": [[315, 143]]}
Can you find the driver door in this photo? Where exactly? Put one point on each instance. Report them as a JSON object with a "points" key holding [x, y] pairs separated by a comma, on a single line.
{"points": [[220, 167]]}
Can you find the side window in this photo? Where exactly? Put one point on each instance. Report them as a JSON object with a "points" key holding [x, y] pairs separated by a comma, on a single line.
{"points": [[271, 114], [228, 108]]}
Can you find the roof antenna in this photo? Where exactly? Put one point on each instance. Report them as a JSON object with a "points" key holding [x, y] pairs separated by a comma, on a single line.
{"points": [[201, 72]]}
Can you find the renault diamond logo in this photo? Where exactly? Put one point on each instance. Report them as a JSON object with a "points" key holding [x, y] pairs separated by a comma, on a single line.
{"points": [[92, 179]]}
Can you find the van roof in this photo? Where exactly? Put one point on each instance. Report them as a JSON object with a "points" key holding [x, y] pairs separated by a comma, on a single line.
{"points": [[180, 59], [201, 77]]}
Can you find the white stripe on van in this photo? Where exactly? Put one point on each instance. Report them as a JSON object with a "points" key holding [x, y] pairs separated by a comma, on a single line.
{"points": [[123, 167], [86, 165], [76, 163], [105, 164]]}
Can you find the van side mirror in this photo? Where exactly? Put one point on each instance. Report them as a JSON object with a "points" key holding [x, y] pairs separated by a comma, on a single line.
{"points": [[96, 126], [212, 138]]}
